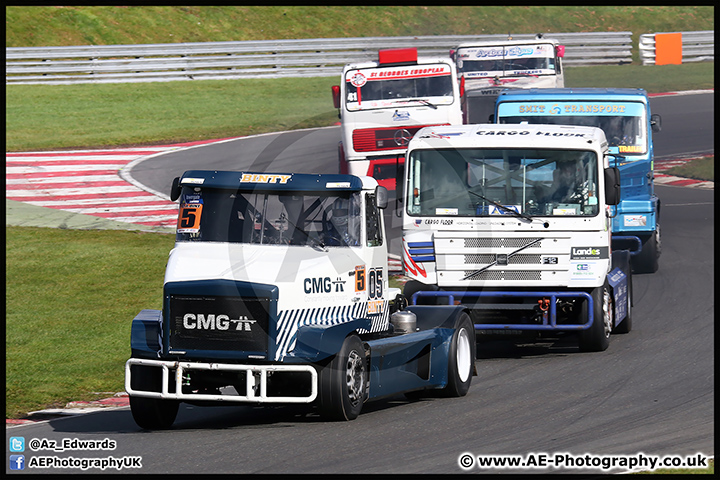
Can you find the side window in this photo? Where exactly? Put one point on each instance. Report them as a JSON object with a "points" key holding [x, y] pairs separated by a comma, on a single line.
{"points": [[374, 232]]}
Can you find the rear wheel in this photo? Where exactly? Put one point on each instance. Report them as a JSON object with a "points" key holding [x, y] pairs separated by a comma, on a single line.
{"points": [[151, 413], [343, 382], [461, 359]]}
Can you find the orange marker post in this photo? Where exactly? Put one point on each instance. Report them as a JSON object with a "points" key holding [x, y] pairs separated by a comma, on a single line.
{"points": [[668, 48]]}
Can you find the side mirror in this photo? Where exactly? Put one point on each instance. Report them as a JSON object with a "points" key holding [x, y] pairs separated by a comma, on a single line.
{"points": [[336, 95], [381, 197], [612, 185], [175, 189], [655, 122], [560, 50]]}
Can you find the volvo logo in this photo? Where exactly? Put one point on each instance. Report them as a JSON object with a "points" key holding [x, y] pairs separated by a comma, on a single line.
{"points": [[402, 137]]}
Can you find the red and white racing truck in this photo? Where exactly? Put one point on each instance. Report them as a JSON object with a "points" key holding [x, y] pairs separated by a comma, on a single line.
{"points": [[382, 104]]}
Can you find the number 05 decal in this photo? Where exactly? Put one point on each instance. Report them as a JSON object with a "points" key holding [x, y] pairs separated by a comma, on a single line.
{"points": [[189, 218], [375, 283]]}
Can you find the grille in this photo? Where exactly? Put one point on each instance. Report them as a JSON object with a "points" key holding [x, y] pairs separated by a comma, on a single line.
{"points": [[374, 139], [219, 323], [500, 242], [505, 275], [485, 258]]}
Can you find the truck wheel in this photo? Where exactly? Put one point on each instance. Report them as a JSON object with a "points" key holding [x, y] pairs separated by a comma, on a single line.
{"points": [[597, 337], [647, 260], [151, 413], [343, 382], [461, 359]]}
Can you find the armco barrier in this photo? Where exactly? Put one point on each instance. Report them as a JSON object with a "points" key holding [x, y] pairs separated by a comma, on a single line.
{"points": [[696, 47], [263, 59]]}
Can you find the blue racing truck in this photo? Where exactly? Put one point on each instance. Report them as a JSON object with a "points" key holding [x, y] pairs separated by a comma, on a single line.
{"points": [[277, 292], [624, 115]]}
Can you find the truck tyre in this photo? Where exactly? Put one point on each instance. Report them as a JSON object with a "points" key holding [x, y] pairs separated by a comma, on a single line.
{"points": [[626, 325], [647, 260], [343, 382], [151, 413], [461, 358], [597, 337]]}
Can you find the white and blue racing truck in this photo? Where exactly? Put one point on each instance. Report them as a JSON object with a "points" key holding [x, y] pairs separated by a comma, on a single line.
{"points": [[513, 222], [277, 292]]}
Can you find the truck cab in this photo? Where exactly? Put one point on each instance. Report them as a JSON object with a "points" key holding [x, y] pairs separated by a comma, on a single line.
{"points": [[485, 68], [513, 222], [382, 104]]}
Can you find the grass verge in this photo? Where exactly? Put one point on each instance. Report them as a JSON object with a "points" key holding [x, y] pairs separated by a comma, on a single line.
{"points": [[69, 300], [45, 117], [702, 168]]}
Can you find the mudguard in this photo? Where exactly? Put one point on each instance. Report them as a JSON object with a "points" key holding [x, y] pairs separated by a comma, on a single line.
{"points": [[317, 342], [432, 316], [146, 334]]}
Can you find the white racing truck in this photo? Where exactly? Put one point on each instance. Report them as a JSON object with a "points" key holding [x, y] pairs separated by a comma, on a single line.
{"points": [[382, 104], [486, 68], [513, 222], [276, 292]]}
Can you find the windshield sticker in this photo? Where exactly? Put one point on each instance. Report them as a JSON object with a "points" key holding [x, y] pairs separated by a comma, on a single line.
{"points": [[358, 80], [189, 217]]}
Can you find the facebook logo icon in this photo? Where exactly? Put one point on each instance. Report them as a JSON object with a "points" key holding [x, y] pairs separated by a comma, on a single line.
{"points": [[17, 462]]}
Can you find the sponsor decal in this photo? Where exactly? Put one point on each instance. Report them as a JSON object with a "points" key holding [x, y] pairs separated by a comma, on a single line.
{"points": [[399, 116], [446, 211], [635, 220], [358, 80], [588, 253], [323, 285], [211, 321], [264, 178], [630, 148]]}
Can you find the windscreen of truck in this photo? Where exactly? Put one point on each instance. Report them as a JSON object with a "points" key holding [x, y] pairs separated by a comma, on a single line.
{"points": [[624, 123], [406, 86], [497, 182], [506, 61], [313, 219]]}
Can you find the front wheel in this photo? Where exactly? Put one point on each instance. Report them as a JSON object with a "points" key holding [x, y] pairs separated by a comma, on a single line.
{"points": [[151, 413], [343, 382], [461, 359], [597, 337]]}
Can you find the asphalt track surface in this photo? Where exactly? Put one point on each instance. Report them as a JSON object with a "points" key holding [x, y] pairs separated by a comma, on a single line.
{"points": [[651, 392]]}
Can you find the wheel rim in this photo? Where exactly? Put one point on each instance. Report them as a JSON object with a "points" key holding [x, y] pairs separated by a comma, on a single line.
{"points": [[607, 317], [463, 355], [355, 377]]}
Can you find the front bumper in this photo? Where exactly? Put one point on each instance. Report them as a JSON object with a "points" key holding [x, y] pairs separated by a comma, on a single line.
{"points": [[256, 377]]}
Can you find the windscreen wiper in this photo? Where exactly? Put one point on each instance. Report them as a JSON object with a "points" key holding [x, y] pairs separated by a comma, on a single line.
{"points": [[503, 207], [421, 100]]}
